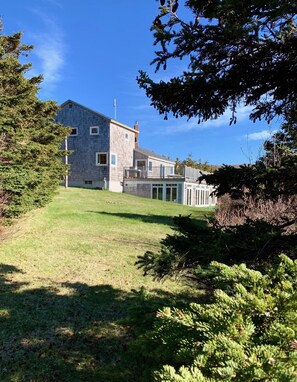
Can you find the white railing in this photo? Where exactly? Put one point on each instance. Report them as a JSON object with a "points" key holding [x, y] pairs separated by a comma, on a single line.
{"points": [[155, 172]]}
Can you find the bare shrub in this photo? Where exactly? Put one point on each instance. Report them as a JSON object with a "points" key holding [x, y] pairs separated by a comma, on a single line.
{"points": [[282, 212]]}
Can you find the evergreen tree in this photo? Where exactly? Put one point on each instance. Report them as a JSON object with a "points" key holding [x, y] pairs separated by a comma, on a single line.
{"points": [[191, 162], [272, 176], [239, 53], [30, 140], [246, 334]]}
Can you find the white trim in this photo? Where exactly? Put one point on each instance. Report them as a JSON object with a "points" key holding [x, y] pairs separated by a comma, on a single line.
{"points": [[97, 157], [116, 159], [141, 160], [148, 166], [110, 120], [95, 127], [159, 159], [73, 135]]}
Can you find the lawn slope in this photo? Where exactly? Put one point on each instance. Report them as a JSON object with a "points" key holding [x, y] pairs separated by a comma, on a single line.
{"points": [[68, 282]]}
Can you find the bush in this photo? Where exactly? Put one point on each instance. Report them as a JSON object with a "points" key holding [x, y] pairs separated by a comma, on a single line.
{"points": [[193, 246], [280, 212], [247, 333]]}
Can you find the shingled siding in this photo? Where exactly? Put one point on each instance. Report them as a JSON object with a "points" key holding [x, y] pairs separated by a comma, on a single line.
{"points": [[85, 146], [122, 142], [155, 171]]}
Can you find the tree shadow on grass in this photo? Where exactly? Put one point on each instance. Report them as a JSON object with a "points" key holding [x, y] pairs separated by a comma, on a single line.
{"points": [[147, 218], [88, 333]]}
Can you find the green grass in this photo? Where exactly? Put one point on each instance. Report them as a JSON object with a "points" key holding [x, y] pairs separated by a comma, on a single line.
{"points": [[68, 285]]}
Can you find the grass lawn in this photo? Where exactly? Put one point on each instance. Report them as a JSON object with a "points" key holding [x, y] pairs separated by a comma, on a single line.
{"points": [[68, 284]]}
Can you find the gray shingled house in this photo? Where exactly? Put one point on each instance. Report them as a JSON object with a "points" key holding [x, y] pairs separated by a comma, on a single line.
{"points": [[101, 147], [105, 154]]}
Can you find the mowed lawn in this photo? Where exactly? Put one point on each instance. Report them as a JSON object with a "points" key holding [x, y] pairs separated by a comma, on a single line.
{"points": [[68, 284]]}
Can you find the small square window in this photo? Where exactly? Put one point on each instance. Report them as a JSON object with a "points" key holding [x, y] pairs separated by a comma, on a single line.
{"points": [[113, 159], [94, 130], [101, 159], [74, 131]]}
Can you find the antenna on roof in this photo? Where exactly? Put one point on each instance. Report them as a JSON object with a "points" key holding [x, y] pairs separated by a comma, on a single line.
{"points": [[115, 108]]}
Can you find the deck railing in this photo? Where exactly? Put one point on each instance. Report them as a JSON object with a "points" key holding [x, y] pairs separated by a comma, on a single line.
{"points": [[155, 172], [162, 172]]}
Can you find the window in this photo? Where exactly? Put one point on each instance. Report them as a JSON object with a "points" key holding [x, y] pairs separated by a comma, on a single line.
{"points": [[94, 130], [88, 182], [101, 159], [150, 166], [113, 159], [162, 170], [189, 196], [74, 131], [141, 164], [157, 191], [171, 192], [126, 136]]}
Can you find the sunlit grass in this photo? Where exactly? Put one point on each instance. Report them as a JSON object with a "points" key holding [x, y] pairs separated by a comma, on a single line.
{"points": [[67, 277]]}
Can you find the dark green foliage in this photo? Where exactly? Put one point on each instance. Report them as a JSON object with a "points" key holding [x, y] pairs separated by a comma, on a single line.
{"points": [[272, 176], [238, 52], [247, 333], [189, 251], [30, 140]]}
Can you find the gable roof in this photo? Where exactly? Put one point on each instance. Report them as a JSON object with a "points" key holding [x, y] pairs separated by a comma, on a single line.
{"points": [[99, 114], [151, 154]]}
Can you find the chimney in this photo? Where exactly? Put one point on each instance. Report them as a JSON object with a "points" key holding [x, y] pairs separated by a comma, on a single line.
{"points": [[136, 135]]}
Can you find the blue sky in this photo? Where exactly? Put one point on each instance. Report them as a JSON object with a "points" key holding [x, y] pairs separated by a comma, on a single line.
{"points": [[90, 51]]}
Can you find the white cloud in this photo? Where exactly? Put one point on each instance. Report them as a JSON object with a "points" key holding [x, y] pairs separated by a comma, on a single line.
{"points": [[261, 135], [50, 50], [182, 125]]}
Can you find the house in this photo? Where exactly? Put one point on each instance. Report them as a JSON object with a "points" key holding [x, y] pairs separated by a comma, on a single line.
{"points": [[163, 183], [101, 147], [105, 154]]}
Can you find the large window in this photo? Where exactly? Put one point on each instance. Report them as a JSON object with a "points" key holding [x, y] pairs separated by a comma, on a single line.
{"points": [[101, 159], [157, 191], [202, 197], [171, 192]]}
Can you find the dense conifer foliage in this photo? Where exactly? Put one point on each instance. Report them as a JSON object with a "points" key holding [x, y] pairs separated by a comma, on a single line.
{"points": [[273, 175], [238, 52], [247, 333], [30, 140]]}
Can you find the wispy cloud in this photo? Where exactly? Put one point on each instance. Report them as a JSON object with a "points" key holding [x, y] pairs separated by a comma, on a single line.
{"points": [[261, 135], [182, 125], [50, 50]]}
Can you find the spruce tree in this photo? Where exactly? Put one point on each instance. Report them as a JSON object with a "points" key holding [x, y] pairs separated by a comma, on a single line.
{"points": [[30, 155], [246, 334]]}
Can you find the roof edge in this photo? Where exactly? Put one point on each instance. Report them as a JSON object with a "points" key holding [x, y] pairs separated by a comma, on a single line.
{"points": [[100, 114]]}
